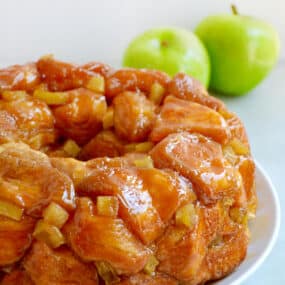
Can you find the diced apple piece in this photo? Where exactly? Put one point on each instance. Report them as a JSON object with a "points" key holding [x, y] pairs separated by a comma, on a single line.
{"points": [[42, 87], [239, 147], [107, 272], [151, 265], [228, 202], [145, 162], [10, 210], [139, 147], [144, 147], [131, 147], [55, 215], [229, 154], [156, 93], [50, 234], [37, 141], [96, 84], [51, 98], [108, 119], [71, 148], [186, 216], [14, 95], [238, 215], [107, 206]]}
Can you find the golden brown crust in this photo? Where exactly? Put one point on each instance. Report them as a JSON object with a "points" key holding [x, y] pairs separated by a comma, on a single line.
{"points": [[29, 181], [129, 79], [81, 117], [15, 239], [162, 197], [19, 77], [46, 266], [140, 113], [181, 115], [188, 88], [24, 119], [17, 277], [144, 279]]}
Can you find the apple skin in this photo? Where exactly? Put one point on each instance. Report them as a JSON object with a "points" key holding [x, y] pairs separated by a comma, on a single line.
{"points": [[171, 50], [242, 51]]}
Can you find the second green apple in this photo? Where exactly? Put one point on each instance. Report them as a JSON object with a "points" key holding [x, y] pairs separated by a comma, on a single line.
{"points": [[171, 50], [242, 51]]}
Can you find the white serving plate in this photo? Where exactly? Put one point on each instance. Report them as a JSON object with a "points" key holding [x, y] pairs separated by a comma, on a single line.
{"points": [[264, 230]]}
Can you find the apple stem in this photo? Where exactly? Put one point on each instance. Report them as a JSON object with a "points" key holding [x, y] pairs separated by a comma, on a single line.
{"points": [[164, 43], [234, 9]]}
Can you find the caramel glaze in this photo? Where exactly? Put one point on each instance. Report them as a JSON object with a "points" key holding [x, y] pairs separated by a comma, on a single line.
{"points": [[200, 155]]}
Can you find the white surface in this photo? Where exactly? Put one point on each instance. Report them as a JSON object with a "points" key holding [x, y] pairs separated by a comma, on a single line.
{"points": [[100, 29], [264, 230]]}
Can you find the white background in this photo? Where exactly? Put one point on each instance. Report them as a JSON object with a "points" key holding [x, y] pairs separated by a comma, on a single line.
{"points": [[100, 30]]}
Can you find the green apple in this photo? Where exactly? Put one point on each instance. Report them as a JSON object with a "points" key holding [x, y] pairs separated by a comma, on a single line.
{"points": [[242, 51], [171, 50]]}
